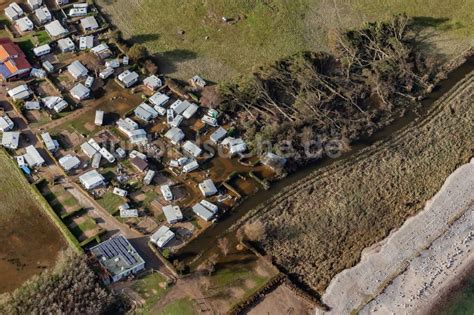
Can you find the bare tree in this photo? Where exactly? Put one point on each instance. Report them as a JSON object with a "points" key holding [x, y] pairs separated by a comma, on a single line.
{"points": [[223, 244], [254, 231]]}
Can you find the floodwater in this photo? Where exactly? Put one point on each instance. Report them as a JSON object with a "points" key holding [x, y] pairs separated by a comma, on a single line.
{"points": [[207, 240]]}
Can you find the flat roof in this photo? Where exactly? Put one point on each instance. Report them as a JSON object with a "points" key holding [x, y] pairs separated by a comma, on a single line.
{"points": [[117, 255]]}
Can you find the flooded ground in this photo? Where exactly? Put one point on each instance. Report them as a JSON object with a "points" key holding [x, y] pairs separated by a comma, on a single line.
{"points": [[30, 242], [206, 240]]}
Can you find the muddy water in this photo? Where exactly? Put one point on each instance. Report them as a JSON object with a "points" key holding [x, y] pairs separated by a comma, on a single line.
{"points": [[207, 239]]}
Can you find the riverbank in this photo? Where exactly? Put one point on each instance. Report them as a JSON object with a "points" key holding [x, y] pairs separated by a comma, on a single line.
{"points": [[405, 272]]}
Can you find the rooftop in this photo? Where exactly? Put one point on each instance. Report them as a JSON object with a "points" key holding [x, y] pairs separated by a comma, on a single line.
{"points": [[117, 255]]}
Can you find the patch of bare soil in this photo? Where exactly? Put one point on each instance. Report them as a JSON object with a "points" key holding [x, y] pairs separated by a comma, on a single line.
{"points": [[282, 300]]}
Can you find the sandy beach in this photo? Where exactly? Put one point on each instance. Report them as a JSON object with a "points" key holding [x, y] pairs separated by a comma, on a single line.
{"points": [[415, 265]]}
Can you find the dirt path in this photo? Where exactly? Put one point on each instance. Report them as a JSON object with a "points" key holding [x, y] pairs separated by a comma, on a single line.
{"points": [[185, 288], [113, 227]]}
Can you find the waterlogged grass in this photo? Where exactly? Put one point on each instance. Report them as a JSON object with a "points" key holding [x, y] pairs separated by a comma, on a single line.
{"points": [[260, 32]]}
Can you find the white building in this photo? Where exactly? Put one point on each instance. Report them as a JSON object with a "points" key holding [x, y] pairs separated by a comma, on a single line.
{"points": [[89, 24], [191, 166], [207, 188], [21, 92], [159, 99], [102, 51], [118, 257], [120, 192], [77, 70], [112, 63], [128, 78], [91, 180], [24, 24], [218, 135], [66, 45], [202, 212], [176, 122], [192, 149], [34, 4], [107, 155], [166, 192], [197, 81], [33, 158], [162, 236], [209, 205], [76, 12], [13, 11], [99, 118], [6, 123], [235, 146], [56, 103], [50, 144], [107, 72], [55, 29], [48, 66], [153, 82], [180, 106], [80, 92], [145, 112], [88, 149], [43, 15], [32, 105], [86, 42], [175, 135], [173, 214], [148, 177], [190, 111], [69, 162], [208, 120], [42, 50], [10, 139]]}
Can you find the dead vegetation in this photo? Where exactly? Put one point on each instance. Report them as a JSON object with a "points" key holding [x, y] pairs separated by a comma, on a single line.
{"points": [[320, 225], [374, 75], [70, 288]]}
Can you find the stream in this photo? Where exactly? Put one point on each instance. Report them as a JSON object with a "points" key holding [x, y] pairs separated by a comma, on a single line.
{"points": [[208, 239]]}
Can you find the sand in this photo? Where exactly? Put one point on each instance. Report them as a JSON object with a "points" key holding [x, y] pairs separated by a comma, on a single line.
{"points": [[405, 272]]}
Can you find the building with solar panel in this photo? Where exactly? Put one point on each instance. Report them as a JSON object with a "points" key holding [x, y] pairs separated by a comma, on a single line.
{"points": [[118, 257]]}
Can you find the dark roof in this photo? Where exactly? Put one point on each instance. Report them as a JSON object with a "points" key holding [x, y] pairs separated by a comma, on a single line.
{"points": [[139, 163]]}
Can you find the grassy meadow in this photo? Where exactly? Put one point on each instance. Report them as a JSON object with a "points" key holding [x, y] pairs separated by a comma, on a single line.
{"points": [[30, 241], [190, 37]]}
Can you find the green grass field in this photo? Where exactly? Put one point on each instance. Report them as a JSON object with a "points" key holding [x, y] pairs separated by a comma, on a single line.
{"points": [[151, 288], [263, 31], [181, 307], [111, 202]]}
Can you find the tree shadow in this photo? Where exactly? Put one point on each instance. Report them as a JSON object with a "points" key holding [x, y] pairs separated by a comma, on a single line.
{"points": [[167, 61], [427, 28], [144, 38]]}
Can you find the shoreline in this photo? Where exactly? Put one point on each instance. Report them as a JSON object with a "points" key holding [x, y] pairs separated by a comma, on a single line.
{"points": [[411, 269], [456, 284]]}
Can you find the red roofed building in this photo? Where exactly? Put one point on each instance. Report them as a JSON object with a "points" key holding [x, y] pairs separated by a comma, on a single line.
{"points": [[13, 62]]}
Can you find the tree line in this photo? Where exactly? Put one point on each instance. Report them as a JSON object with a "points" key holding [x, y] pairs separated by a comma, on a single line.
{"points": [[373, 75]]}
